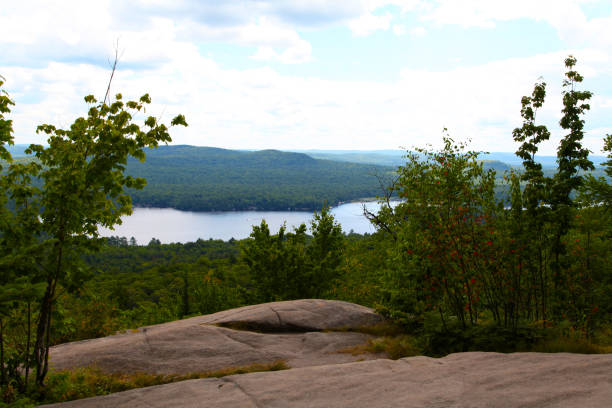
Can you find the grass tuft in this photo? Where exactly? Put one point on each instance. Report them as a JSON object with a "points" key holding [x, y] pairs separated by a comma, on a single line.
{"points": [[570, 345], [385, 328], [90, 381], [394, 346]]}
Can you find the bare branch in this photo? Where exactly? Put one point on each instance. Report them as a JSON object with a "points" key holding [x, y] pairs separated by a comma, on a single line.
{"points": [[387, 187], [377, 221], [114, 68]]}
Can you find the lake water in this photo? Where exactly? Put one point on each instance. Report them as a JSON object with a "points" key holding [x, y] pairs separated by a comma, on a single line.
{"points": [[170, 225]]}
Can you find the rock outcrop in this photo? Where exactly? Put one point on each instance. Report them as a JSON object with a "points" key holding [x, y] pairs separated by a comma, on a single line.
{"points": [[307, 335], [294, 331], [458, 380]]}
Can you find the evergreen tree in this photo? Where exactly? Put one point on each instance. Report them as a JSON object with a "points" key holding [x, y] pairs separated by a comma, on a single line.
{"points": [[532, 235], [289, 265], [571, 158], [325, 251]]}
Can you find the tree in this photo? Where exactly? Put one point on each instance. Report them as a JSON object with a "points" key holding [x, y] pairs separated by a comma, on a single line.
{"points": [[598, 191], [289, 265], [276, 261], [445, 235], [83, 188], [17, 286], [571, 157], [458, 251], [532, 235], [6, 125], [531, 135], [325, 252]]}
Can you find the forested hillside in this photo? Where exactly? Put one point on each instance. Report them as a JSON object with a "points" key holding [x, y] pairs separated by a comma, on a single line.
{"points": [[211, 179], [196, 178]]}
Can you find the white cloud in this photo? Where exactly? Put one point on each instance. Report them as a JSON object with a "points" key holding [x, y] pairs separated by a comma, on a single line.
{"points": [[605, 102], [485, 13], [84, 31], [418, 31], [399, 29], [260, 108], [300, 52], [483, 102], [404, 5], [566, 16], [368, 23]]}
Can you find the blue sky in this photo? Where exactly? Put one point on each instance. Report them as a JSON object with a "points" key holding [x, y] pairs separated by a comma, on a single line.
{"points": [[311, 74]]}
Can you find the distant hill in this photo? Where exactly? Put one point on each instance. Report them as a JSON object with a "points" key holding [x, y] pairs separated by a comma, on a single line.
{"points": [[197, 178], [397, 157], [393, 158], [212, 179], [17, 150]]}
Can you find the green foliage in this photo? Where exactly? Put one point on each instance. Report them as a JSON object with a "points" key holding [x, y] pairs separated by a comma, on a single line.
{"points": [[210, 179], [454, 339], [292, 266], [133, 286], [598, 190], [81, 186], [6, 125], [364, 264], [18, 286], [562, 344], [325, 253], [88, 382], [571, 157], [444, 234], [271, 259], [532, 135], [395, 347], [469, 273]]}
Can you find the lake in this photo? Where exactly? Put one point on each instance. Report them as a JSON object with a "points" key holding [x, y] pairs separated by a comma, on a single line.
{"points": [[170, 225]]}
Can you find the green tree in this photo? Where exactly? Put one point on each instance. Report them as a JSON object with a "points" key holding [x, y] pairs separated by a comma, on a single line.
{"points": [[83, 188], [6, 136], [531, 225], [325, 252], [571, 158], [598, 190], [277, 262], [291, 266], [17, 222], [6, 125], [445, 235]]}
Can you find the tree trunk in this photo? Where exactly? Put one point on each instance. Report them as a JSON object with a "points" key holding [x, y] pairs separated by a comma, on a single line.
{"points": [[2, 368], [27, 352], [41, 347]]}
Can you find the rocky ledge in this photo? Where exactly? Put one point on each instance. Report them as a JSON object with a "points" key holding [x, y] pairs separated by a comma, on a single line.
{"points": [[298, 332]]}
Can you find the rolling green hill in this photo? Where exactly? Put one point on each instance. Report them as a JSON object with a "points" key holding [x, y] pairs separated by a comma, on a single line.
{"points": [[197, 178], [211, 179]]}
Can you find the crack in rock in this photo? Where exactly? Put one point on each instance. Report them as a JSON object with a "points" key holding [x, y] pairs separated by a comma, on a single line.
{"points": [[227, 314], [252, 398], [239, 341], [280, 321]]}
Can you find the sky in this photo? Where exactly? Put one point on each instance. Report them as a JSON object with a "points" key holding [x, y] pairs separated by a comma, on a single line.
{"points": [[311, 74]]}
